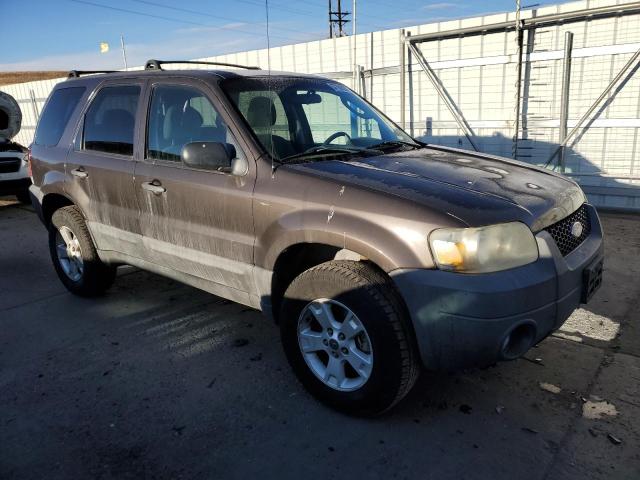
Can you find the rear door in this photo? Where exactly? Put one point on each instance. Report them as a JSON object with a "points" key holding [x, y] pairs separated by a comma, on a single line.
{"points": [[100, 166], [198, 222]]}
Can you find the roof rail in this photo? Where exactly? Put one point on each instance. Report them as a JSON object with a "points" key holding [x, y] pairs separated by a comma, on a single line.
{"points": [[157, 64], [78, 73]]}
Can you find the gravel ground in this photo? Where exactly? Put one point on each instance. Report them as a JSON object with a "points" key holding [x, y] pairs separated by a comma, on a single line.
{"points": [[159, 380]]}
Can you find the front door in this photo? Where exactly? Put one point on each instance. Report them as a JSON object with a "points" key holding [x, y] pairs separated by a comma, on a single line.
{"points": [[195, 221]]}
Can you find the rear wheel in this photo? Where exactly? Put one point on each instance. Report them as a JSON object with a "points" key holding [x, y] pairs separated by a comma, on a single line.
{"points": [[347, 337], [74, 255]]}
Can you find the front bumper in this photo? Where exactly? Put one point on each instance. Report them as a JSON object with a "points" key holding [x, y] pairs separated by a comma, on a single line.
{"points": [[464, 320], [14, 186], [14, 182]]}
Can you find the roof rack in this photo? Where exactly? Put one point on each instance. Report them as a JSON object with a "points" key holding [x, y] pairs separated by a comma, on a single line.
{"points": [[157, 64], [78, 73]]}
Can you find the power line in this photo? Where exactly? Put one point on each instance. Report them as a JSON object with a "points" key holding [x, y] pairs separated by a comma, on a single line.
{"points": [[124, 10], [279, 6], [175, 20], [205, 14], [201, 24], [360, 14]]}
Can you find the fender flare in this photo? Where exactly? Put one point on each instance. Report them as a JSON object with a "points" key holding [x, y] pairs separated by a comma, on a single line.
{"points": [[346, 232]]}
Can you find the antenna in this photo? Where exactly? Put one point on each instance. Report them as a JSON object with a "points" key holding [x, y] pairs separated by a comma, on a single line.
{"points": [[271, 149], [124, 53], [337, 20]]}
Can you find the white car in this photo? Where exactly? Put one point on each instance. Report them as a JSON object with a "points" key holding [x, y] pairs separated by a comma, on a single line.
{"points": [[14, 175]]}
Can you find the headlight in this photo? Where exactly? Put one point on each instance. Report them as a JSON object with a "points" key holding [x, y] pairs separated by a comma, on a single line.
{"points": [[483, 249]]}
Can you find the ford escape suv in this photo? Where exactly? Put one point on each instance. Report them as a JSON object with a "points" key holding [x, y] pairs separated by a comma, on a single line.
{"points": [[375, 253]]}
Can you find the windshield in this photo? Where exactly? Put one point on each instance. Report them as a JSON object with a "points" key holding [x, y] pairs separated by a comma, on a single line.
{"points": [[298, 118]]}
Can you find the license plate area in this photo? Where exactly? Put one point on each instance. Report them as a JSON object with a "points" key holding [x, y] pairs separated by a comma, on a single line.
{"points": [[591, 280]]}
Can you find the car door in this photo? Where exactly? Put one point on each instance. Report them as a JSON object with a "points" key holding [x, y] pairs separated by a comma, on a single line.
{"points": [[100, 167], [195, 221]]}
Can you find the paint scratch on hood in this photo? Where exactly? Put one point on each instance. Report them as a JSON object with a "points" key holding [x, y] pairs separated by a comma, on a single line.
{"points": [[332, 212]]}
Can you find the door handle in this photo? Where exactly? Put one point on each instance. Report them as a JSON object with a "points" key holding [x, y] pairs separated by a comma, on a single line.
{"points": [[79, 172], [154, 187]]}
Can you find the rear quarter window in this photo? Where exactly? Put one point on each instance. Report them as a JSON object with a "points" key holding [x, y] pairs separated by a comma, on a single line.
{"points": [[56, 114], [109, 123]]}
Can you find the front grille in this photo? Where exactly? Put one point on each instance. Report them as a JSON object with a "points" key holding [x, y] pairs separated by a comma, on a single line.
{"points": [[561, 231], [9, 164]]}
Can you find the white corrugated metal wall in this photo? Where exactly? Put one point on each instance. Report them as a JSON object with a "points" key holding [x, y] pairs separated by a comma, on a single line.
{"points": [[479, 73]]}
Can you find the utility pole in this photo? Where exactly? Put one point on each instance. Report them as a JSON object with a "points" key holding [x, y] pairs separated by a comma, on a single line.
{"points": [[337, 20], [518, 85], [356, 68]]}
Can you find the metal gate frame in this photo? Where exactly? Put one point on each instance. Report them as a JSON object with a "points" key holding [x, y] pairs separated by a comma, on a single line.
{"points": [[409, 46]]}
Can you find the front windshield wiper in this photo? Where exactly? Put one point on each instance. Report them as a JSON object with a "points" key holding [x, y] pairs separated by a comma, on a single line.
{"points": [[396, 143], [328, 150]]}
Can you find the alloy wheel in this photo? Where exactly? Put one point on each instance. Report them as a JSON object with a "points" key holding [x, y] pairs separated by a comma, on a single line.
{"points": [[335, 344], [69, 253]]}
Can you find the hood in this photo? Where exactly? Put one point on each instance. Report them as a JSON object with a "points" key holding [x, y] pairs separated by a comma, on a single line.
{"points": [[477, 189]]}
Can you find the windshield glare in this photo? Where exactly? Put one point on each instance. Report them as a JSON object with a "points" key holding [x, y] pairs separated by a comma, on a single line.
{"points": [[294, 116]]}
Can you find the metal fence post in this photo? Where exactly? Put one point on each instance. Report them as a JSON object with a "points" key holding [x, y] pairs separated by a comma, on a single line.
{"points": [[564, 99], [410, 74], [34, 105], [403, 79], [595, 104], [516, 127], [371, 67], [444, 95]]}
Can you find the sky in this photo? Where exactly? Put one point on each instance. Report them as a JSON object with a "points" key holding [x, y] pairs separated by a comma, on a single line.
{"points": [[66, 34]]}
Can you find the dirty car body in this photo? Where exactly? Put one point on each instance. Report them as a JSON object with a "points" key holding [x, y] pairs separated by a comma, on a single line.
{"points": [[317, 176]]}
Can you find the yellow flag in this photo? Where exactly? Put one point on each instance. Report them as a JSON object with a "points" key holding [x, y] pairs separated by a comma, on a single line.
{"points": [[104, 47]]}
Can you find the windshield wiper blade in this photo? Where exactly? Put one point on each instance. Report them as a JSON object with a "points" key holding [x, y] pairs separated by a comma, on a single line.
{"points": [[326, 150], [396, 143]]}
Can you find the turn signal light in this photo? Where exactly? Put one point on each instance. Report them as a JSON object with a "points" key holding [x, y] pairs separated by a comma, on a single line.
{"points": [[28, 160]]}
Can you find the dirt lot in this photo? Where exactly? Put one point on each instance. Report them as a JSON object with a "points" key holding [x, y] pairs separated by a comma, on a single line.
{"points": [[159, 380], [8, 78]]}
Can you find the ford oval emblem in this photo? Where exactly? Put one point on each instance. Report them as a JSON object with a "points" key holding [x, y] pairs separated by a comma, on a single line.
{"points": [[576, 229]]}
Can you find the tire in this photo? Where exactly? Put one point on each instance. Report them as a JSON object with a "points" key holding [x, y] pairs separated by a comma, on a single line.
{"points": [[94, 277], [378, 310], [11, 109]]}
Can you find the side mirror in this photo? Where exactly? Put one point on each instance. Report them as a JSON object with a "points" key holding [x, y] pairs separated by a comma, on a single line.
{"points": [[217, 156]]}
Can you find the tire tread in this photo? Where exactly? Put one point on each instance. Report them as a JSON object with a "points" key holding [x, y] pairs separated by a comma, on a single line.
{"points": [[380, 287], [98, 276]]}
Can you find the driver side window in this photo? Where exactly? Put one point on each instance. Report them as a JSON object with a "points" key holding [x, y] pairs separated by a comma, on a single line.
{"points": [[330, 115], [179, 115]]}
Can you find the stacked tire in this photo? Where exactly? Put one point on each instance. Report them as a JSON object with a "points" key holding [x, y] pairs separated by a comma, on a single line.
{"points": [[10, 117]]}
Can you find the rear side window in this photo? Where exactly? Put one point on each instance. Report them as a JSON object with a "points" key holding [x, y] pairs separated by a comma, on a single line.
{"points": [[110, 120], [56, 114]]}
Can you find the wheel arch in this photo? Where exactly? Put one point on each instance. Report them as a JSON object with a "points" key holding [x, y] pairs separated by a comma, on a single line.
{"points": [[52, 202], [299, 257]]}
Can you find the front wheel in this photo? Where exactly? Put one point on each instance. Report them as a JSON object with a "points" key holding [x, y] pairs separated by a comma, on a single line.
{"points": [[74, 255], [348, 338]]}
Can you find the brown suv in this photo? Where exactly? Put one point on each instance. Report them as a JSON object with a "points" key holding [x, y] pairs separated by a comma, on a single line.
{"points": [[289, 193]]}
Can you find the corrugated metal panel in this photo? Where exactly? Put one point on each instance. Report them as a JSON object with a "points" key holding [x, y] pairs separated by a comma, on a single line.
{"points": [[479, 73]]}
